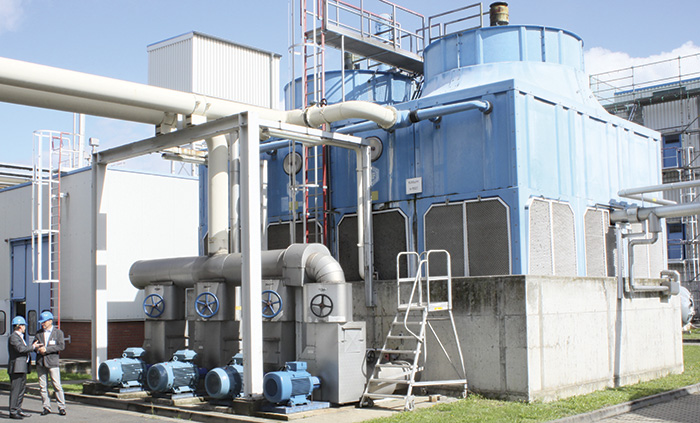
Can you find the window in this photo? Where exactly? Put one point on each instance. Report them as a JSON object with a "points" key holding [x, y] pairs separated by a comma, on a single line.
{"points": [[675, 235], [3, 323], [31, 322], [671, 150]]}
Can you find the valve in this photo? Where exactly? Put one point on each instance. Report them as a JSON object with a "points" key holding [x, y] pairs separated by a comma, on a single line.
{"points": [[272, 304], [206, 305], [153, 305], [321, 305]]}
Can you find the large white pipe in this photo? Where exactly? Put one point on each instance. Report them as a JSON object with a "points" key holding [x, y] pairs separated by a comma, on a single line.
{"points": [[70, 89], [218, 195], [49, 79], [66, 103]]}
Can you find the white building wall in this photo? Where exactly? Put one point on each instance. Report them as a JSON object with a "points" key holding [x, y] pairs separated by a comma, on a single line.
{"points": [[147, 216]]}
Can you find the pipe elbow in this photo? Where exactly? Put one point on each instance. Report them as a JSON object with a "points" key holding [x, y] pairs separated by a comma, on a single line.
{"points": [[323, 268], [314, 116]]}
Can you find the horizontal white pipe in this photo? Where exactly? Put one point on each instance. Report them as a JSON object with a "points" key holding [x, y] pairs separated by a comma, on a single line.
{"points": [[66, 103], [662, 187], [49, 79], [663, 212], [649, 199], [70, 89]]}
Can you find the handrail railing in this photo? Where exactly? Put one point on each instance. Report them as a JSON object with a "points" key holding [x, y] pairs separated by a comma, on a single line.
{"points": [[630, 83], [442, 26], [359, 19]]}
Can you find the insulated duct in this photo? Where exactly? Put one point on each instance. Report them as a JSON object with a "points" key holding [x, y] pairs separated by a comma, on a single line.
{"points": [[300, 263]]}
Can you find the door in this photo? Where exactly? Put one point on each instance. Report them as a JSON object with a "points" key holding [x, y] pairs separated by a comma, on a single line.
{"points": [[27, 299], [5, 330]]}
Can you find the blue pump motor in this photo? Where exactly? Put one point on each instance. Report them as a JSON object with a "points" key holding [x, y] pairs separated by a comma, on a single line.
{"points": [[227, 381], [178, 376], [125, 372], [292, 386]]}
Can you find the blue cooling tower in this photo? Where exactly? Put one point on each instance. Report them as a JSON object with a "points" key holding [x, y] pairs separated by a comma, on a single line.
{"points": [[525, 189]]}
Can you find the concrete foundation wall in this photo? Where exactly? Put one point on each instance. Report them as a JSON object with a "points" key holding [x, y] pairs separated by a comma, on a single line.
{"points": [[544, 337]]}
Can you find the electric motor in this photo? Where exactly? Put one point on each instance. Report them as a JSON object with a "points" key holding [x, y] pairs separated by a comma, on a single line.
{"points": [[178, 376], [292, 386], [125, 372], [227, 381]]}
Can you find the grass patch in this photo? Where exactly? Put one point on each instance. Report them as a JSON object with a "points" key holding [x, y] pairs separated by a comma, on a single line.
{"points": [[33, 377], [477, 409], [693, 334]]}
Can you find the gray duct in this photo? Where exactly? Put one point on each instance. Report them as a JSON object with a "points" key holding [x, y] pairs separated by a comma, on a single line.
{"points": [[300, 263]]}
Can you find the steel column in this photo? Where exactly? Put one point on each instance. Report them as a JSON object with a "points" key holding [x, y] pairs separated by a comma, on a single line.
{"points": [[249, 143]]}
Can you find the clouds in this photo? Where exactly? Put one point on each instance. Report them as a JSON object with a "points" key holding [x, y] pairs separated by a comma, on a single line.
{"points": [[599, 60], [11, 14]]}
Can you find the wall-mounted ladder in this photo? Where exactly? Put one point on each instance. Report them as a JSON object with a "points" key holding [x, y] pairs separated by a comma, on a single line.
{"points": [[404, 352], [54, 152], [313, 83]]}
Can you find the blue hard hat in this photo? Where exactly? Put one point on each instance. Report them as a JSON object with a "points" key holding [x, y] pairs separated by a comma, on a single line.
{"points": [[44, 316], [19, 320]]}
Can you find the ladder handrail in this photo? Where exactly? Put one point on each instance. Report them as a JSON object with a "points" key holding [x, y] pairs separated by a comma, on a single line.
{"points": [[447, 278], [416, 282]]}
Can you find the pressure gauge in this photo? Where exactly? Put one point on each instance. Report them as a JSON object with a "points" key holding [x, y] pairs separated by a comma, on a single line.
{"points": [[292, 163]]}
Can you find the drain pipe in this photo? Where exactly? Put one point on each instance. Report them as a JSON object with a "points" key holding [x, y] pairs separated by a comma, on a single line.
{"points": [[654, 227], [406, 118], [652, 216]]}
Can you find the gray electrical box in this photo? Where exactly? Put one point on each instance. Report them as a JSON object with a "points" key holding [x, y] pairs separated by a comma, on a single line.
{"points": [[336, 354]]}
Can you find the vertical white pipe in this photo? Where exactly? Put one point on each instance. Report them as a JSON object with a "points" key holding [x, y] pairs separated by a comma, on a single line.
{"points": [[263, 203], [364, 220], [235, 192], [218, 195], [251, 270]]}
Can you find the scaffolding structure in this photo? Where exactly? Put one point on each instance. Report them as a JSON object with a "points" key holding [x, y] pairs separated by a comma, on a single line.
{"points": [[665, 96]]}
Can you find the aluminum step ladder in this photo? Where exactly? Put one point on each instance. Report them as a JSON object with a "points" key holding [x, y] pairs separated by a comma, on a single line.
{"points": [[404, 355]]}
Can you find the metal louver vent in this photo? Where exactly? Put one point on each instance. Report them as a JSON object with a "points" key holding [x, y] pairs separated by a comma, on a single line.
{"points": [[389, 229], [444, 230], [596, 264], [564, 239], [540, 250], [278, 235], [488, 243]]}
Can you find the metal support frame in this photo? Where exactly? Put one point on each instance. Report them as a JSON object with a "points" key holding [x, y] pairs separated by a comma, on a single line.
{"points": [[246, 128], [99, 275]]}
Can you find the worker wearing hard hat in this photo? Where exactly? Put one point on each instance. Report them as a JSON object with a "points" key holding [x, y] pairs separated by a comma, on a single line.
{"points": [[18, 367], [47, 362]]}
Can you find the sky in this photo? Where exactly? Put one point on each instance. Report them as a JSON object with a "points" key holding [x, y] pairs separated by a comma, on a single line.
{"points": [[109, 38]]}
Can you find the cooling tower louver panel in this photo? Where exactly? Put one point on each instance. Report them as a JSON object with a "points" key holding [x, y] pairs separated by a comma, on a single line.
{"points": [[481, 228], [389, 241], [595, 227], [540, 250], [611, 249], [390, 238], [278, 236], [564, 239], [488, 240], [444, 230]]}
